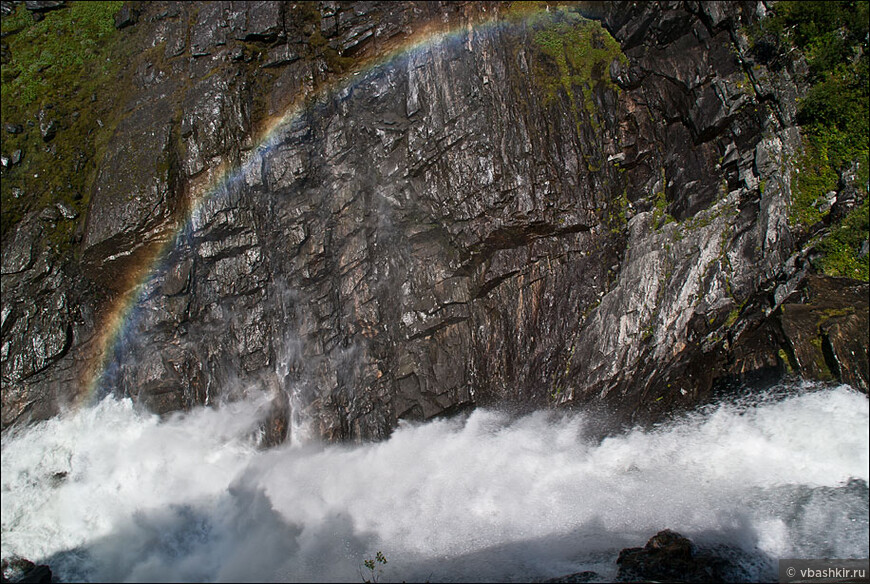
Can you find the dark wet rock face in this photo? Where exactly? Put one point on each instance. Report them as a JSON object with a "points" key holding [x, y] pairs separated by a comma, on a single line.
{"points": [[449, 228], [40, 322], [134, 199], [826, 323]]}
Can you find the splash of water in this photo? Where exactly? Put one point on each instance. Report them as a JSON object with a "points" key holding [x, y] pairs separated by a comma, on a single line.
{"points": [[112, 493]]}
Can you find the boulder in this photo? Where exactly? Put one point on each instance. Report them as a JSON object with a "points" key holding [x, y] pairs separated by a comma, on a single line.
{"points": [[670, 557], [17, 570]]}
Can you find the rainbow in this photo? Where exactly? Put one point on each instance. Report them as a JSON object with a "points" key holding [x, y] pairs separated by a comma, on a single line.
{"points": [[117, 322]]}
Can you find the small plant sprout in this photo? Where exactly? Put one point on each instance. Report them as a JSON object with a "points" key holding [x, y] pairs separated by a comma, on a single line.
{"points": [[374, 568]]}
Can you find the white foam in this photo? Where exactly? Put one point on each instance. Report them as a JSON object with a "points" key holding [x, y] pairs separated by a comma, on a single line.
{"points": [[479, 497]]}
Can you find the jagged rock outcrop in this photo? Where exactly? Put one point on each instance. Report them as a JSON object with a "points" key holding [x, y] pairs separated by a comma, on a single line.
{"points": [[827, 326], [473, 221]]}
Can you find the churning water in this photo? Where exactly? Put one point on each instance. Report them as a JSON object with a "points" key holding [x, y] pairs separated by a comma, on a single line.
{"points": [[112, 493]]}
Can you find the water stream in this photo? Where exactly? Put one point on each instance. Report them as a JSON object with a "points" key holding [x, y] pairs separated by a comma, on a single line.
{"points": [[112, 493]]}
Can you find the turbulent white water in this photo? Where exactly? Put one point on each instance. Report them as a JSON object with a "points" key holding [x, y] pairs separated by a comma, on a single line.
{"points": [[111, 493]]}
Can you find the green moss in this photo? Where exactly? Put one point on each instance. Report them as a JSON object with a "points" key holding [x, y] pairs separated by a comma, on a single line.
{"points": [[309, 14], [67, 44], [732, 317], [647, 333], [786, 362], [834, 116], [841, 249], [306, 12], [701, 220], [830, 313], [336, 62], [814, 178], [517, 11], [660, 210], [745, 84], [618, 217], [574, 55], [819, 356], [706, 218], [56, 65]]}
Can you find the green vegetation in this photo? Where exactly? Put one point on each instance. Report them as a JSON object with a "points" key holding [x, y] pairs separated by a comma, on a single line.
{"points": [[619, 218], [830, 313], [660, 210], [577, 54], [786, 361], [567, 58], [732, 317], [661, 217], [65, 44], [66, 66], [706, 218], [517, 11], [374, 569], [823, 371], [308, 13], [839, 257], [648, 332], [833, 36]]}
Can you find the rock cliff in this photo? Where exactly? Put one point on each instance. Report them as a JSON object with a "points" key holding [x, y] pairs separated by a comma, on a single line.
{"points": [[383, 211]]}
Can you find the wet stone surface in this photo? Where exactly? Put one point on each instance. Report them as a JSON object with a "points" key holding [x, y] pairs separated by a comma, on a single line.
{"points": [[438, 231]]}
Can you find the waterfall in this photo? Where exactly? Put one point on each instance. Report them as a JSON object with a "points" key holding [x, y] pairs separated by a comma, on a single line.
{"points": [[112, 492]]}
